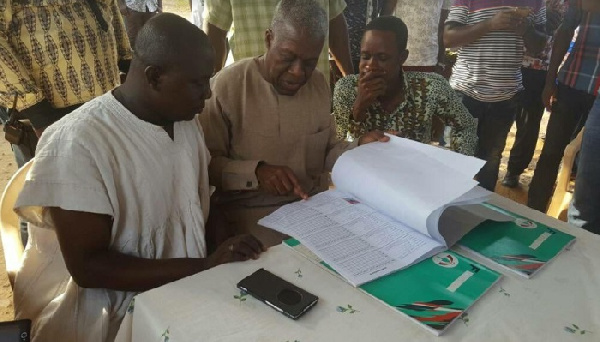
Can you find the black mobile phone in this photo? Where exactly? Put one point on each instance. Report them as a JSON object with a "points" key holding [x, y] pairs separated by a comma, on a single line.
{"points": [[277, 293], [15, 331]]}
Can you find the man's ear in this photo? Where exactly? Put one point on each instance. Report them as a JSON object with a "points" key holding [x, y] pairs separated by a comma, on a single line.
{"points": [[268, 38], [153, 74], [403, 57]]}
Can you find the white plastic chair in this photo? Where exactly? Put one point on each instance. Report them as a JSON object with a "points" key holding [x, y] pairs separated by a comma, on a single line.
{"points": [[561, 197], [10, 227]]}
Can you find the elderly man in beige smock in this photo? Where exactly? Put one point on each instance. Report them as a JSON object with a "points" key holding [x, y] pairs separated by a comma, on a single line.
{"points": [[268, 124]]}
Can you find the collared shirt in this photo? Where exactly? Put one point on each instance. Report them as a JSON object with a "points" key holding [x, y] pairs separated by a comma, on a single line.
{"points": [[489, 69], [56, 50], [426, 95], [247, 121], [251, 18], [541, 61], [358, 13], [581, 70], [423, 20]]}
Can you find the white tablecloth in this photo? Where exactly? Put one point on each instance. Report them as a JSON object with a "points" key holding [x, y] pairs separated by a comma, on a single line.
{"points": [[560, 303]]}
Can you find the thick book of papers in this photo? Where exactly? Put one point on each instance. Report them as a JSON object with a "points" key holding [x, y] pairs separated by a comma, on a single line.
{"points": [[433, 293], [520, 245], [395, 204]]}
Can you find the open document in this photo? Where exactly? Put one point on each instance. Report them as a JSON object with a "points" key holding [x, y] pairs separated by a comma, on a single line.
{"points": [[395, 204]]}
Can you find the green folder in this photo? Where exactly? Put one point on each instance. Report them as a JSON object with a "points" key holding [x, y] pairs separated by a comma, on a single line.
{"points": [[434, 293], [521, 245]]}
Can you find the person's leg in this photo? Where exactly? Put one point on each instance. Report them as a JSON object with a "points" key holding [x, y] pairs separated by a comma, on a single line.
{"points": [[475, 108], [493, 124], [529, 115], [511, 178], [494, 131], [568, 110], [584, 211]]}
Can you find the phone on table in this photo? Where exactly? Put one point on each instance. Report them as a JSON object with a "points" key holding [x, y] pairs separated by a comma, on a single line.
{"points": [[277, 293], [15, 331]]}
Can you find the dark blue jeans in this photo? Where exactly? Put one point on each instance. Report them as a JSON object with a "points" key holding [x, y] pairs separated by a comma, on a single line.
{"points": [[494, 122], [529, 115], [570, 109], [584, 211]]}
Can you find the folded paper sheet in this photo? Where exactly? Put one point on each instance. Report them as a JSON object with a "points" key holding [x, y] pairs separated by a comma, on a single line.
{"points": [[385, 212]]}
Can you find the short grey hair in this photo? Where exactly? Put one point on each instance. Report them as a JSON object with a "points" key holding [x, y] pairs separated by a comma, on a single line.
{"points": [[305, 16]]}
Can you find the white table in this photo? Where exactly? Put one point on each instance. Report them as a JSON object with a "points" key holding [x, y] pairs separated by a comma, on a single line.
{"points": [[565, 294]]}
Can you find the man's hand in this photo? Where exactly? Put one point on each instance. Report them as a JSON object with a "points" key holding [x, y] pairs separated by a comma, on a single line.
{"points": [[504, 20], [548, 94], [279, 180], [373, 136], [371, 85], [237, 248]]}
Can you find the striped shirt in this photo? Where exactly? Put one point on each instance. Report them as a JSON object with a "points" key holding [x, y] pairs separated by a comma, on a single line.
{"points": [[489, 69], [581, 70], [541, 61]]}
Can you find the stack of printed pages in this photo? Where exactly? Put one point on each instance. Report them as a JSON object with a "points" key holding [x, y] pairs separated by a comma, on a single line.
{"points": [[399, 206]]}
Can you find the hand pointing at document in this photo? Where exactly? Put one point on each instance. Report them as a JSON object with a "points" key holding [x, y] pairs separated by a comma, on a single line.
{"points": [[279, 180]]}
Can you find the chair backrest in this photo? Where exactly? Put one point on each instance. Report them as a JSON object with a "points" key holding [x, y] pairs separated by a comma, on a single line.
{"points": [[561, 197], [10, 227]]}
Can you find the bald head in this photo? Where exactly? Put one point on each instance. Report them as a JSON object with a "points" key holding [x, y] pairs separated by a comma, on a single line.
{"points": [[168, 38], [304, 17], [169, 77]]}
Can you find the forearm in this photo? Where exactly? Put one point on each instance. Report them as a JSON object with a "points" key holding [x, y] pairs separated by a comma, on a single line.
{"points": [[233, 175], [534, 40], [218, 39], [359, 111], [226, 172], [562, 41], [339, 44], [457, 35], [389, 7], [117, 271]]}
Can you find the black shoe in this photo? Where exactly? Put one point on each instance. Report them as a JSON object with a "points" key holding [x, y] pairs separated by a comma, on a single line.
{"points": [[510, 180]]}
